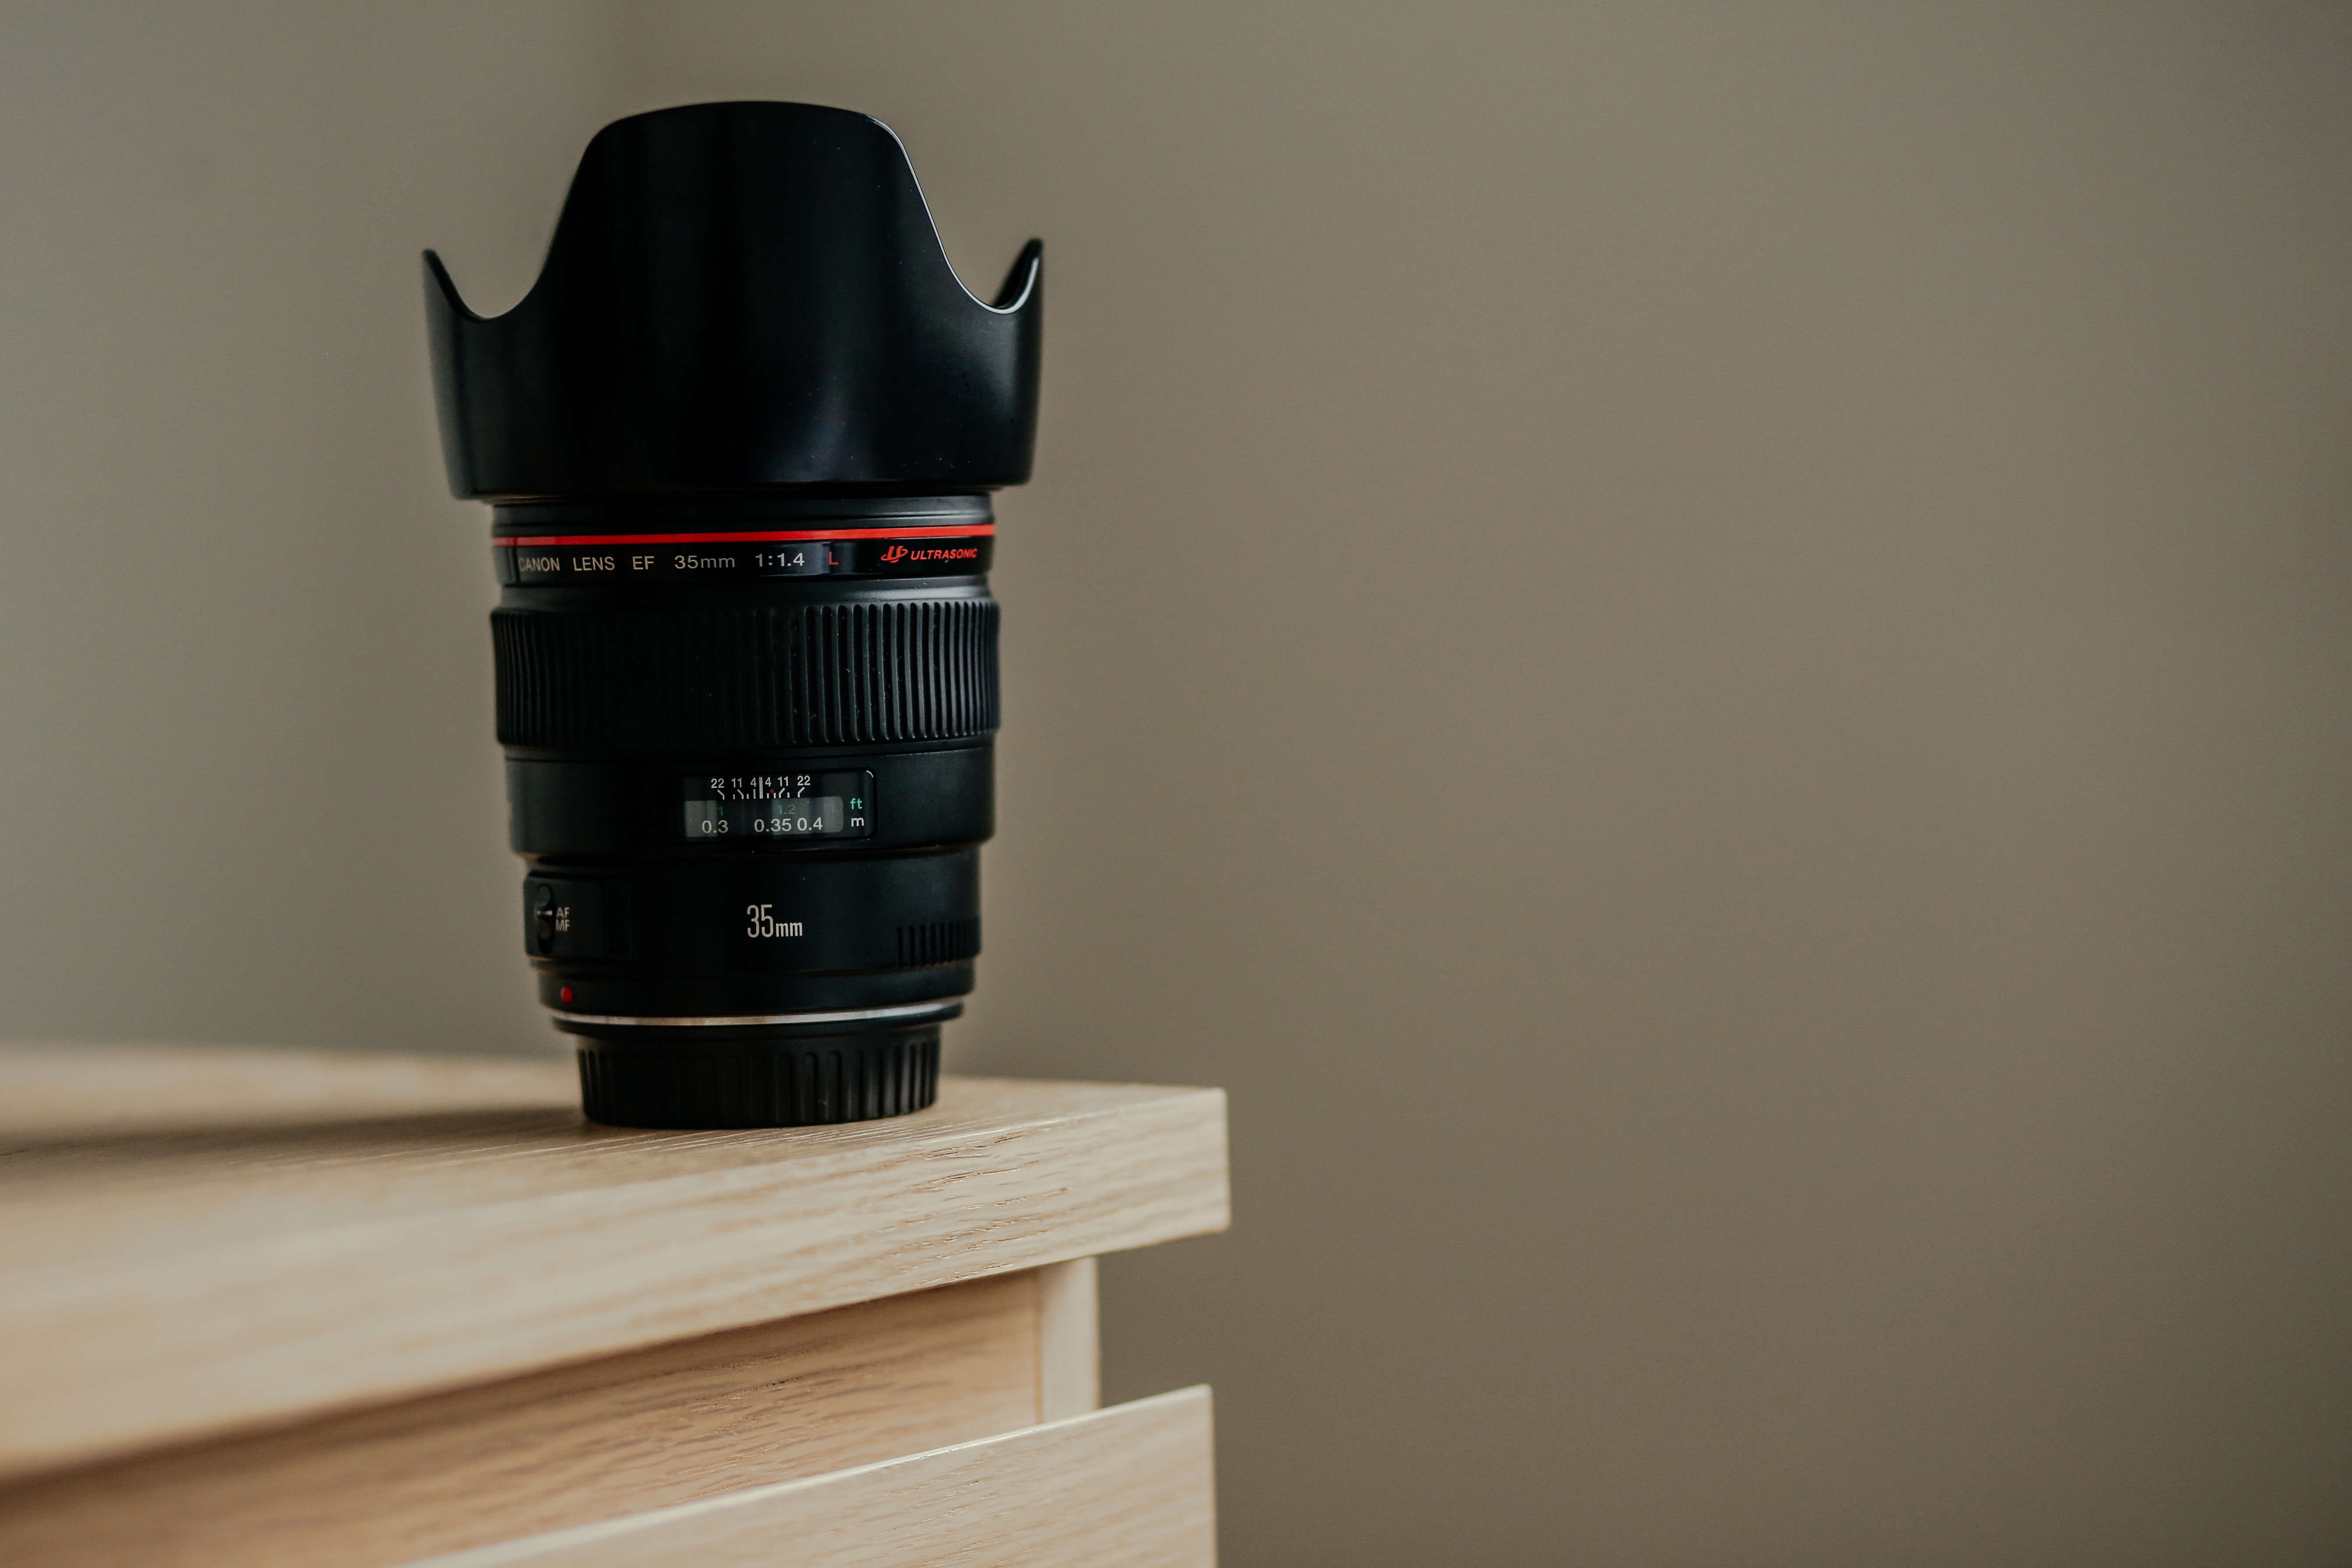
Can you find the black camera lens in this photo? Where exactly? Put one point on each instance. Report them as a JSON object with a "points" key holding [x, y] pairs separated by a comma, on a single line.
{"points": [[740, 439]]}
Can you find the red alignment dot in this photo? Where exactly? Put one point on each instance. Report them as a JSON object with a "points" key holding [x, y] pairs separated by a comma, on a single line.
{"points": [[565, 993]]}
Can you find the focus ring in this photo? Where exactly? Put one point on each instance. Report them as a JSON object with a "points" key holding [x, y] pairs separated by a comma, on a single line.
{"points": [[723, 677]]}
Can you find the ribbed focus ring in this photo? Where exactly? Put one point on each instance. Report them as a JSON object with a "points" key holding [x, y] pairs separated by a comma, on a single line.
{"points": [[803, 675]]}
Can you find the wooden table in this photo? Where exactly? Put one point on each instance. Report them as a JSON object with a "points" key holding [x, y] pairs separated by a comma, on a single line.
{"points": [[273, 1308]]}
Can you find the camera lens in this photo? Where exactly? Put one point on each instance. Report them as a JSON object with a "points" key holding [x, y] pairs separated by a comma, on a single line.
{"points": [[741, 439]]}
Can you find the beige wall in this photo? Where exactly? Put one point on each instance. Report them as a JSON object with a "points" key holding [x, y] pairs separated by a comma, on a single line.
{"points": [[1703, 650], [244, 792]]}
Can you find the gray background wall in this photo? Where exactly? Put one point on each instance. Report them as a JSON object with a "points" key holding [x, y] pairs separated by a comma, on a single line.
{"points": [[1775, 578]]}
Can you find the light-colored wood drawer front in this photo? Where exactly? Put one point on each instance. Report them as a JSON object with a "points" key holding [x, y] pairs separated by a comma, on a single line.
{"points": [[704, 1417], [1130, 1487]]}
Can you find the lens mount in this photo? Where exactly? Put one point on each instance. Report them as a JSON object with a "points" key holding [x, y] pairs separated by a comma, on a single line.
{"points": [[911, 1013]]}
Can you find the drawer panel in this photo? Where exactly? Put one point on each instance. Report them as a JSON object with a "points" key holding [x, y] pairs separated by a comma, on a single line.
{"points": [[807, 1396], [1130, 1487]]}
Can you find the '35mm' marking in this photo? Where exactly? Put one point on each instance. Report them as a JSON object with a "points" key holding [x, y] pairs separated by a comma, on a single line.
{"points": [[759, 920]]}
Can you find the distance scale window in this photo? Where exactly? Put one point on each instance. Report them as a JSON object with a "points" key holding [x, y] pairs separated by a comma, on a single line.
{"points": [[767, 808]]}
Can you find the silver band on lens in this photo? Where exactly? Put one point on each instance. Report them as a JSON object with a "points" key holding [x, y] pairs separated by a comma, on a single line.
{"points": [[909, 1012]]}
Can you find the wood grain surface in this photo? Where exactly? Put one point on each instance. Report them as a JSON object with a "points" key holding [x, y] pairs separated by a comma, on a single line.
{"points": [[637, 1431], [193, 1243], [1129, 1486]]}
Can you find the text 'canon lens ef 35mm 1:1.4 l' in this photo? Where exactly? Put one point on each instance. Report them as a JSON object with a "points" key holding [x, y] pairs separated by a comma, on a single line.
{"points": [[740, 439]]}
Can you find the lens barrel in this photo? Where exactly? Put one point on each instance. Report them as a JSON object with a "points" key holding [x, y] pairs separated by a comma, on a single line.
{"points": [[750, 761], [749, 725]]}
